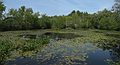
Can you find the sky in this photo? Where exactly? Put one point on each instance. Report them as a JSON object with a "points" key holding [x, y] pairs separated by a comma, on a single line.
{"points": [[60, 7]]}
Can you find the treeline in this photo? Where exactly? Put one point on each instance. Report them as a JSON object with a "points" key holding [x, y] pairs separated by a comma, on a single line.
{"points": [[24, 19]]}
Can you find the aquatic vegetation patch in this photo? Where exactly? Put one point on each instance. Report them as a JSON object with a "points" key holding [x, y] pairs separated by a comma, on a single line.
{"points": [[116, 35], [5, 48], [71, 51], [61, 46], [10, 48]]}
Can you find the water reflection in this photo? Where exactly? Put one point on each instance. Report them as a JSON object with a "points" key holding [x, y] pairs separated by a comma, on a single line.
{"points": [[98, 57], [51, 35], [86, 54], [113, 46], [23, 61], [66, 49]]}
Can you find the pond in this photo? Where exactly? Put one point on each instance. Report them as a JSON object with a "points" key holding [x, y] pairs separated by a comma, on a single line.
{"points": [[67, 49], [51, 35]]}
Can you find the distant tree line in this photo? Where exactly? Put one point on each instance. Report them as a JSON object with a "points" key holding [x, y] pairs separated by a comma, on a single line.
{"points": [[24, 19]]}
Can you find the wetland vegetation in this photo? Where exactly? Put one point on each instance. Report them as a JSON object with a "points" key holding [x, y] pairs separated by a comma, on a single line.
{"points": [[79, 38], [60, 47]]}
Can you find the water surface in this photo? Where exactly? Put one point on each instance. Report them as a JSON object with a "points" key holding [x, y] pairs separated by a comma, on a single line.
{"points": [[66, 49]]}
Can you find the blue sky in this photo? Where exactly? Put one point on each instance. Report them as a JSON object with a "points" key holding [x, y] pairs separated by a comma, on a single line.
{"points": [[60, 7]]}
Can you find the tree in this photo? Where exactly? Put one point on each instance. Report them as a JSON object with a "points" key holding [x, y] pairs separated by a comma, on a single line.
{"points": [[116, 6], [73, 12], [23, 18], [116, 9], [2, 8], [44, 22]]}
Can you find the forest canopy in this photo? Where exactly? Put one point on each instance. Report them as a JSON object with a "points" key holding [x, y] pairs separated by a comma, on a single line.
{"points": [[26, 19]]}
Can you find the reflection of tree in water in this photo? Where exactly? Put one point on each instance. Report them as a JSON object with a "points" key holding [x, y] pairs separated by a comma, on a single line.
{"points": [[113, 46], [115, 52]]}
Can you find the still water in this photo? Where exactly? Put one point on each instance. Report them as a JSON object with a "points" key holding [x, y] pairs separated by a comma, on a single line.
{"points": [[66, 49]]}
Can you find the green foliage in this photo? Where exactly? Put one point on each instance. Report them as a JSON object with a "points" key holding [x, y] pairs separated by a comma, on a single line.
{"points": [[25, 19], [59, 22], [32, 45], [2, 8], [116, 6], [20, 19], [44, 22], [9, 46], [5, 48]]}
